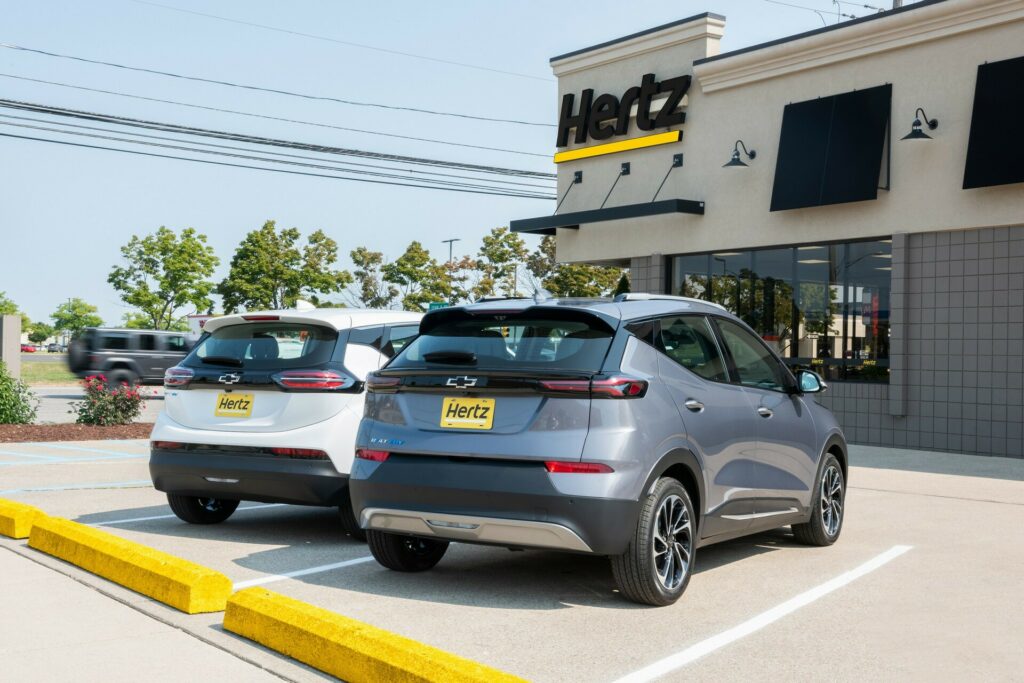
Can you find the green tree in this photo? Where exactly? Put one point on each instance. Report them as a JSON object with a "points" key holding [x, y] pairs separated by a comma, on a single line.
{"points": [[39, 332], [136, 320], [418, 277], [75, 315], [269, 270], [501, 254], [370, 290], [8, 307], [623, 286], [569, 279], [163, 273]]}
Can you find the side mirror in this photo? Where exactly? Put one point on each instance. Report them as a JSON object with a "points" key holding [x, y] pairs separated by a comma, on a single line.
{"points": [[810, 382]]}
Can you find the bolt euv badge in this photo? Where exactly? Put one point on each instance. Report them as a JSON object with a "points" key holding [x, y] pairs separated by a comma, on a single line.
{"points": [[467, 413], [233, 405]]}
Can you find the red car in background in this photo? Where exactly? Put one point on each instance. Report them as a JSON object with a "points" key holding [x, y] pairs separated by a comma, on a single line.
{"points": [[26, 348]]}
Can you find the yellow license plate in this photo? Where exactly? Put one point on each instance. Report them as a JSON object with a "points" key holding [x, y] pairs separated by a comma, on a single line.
{"points": [[233, 405], [467, 413]]}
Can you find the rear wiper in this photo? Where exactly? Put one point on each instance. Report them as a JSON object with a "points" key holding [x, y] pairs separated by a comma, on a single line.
{"points": [[452, 357], [222, 360]]}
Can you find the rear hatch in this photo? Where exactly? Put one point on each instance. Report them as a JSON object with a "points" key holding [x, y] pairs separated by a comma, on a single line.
{"points": [[260, 376], [493, 384]]}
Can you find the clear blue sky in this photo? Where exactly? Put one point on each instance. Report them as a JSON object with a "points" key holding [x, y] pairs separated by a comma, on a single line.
{"points": [[64, 212]]}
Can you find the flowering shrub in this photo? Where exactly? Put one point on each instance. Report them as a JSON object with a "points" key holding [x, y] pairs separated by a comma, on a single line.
{"points": [[17, 403], [104, 405]]}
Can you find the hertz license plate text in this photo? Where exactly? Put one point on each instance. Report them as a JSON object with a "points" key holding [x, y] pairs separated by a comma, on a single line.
{"points": [[234, 405], [467, 413]]}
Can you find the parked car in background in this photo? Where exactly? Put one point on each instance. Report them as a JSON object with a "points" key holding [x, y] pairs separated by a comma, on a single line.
{"points": [[639, 429], [266, 408], [127, 356], [28, 348], [53, 348]]}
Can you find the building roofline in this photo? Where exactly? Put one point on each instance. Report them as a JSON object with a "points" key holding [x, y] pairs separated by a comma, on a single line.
{"points": [[639, 34], [817, 31]]}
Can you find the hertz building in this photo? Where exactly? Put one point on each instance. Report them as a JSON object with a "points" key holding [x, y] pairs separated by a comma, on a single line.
{"points": [[856, 194]]}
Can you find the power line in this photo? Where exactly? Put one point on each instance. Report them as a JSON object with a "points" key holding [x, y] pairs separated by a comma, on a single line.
{"points": [[281, 154], [273, 170], [289, 93], [254, 139], [274, 118], [328, 39]]}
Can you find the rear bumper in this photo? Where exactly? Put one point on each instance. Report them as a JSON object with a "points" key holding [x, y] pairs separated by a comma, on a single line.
{"points": [[493, 502], [237, 476]]}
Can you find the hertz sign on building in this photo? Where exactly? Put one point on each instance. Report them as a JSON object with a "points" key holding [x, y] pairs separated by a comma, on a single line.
{"points": [[856, 194]]}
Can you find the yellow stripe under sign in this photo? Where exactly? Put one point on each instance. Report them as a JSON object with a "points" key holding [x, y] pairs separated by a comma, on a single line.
{"points": [[619, 146]]}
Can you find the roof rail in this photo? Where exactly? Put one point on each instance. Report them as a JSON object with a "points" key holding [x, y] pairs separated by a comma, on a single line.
{"points": [[640, 296]]}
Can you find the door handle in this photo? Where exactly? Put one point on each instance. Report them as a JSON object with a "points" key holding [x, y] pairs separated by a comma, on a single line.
{"points": [[694, 405], [765, 412]]}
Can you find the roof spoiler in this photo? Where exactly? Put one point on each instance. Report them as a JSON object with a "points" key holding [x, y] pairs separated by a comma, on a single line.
{"points": [[639, 296]]}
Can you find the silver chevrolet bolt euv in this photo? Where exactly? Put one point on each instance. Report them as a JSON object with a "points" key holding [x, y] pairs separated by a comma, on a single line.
{"points": [[640, 428]]}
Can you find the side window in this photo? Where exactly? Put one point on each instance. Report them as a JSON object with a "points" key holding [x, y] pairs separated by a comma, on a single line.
{"points": [[755, 364], [147, 342], [398, 337], [689, 341], [643, 330], [114, 342], [367, 336], [176, 343]]}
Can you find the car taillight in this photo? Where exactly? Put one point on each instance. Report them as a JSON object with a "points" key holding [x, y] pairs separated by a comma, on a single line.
{"points": [[166, 445], [178, 376], [569, 467], [301, 453], [382, 385], [600, 387], [316, 380], [370, 454]]}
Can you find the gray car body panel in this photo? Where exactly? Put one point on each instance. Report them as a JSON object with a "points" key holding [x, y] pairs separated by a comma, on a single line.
{"points": [[751, 472]]}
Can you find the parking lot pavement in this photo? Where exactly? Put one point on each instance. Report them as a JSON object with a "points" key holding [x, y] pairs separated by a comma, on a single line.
{"points": [[923, 583], [55, 402]]}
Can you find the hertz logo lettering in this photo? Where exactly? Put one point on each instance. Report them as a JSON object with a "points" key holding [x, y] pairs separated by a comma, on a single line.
{"points": [[463, 412], [609, 115], [237, 404]]}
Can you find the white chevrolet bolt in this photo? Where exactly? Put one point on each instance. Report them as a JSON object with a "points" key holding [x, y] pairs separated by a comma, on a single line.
{"points": [[266, 408]]}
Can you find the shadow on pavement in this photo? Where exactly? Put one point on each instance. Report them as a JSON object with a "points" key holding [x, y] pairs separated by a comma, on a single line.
{"points": [[933, 462]]}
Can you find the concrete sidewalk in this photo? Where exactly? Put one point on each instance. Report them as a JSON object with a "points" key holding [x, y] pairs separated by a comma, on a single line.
{"points": [[55, 628]]}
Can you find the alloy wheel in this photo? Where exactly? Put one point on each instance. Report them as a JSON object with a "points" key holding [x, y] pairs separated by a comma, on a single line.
{"points": [[832, 500], [210, 504], [673, 542]]}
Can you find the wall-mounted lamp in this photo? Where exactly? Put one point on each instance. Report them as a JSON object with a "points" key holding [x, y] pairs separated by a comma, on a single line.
{"points": [[915, 130], [736, 161]]}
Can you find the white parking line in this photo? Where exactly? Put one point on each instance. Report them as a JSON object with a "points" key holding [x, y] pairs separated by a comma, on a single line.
{"points": [[301, 572], [141, 483], [709, 645], [29, 455], [149, 519]]}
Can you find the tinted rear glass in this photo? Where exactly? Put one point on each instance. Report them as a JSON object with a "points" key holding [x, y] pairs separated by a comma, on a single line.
{"points": [[512, 344], [260, 346]]}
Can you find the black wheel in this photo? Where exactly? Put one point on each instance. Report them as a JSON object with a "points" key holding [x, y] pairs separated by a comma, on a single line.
{"points": [[656, 567], [115, 378], [201, 510], [347, 515], [829, 505], [405, 553]]}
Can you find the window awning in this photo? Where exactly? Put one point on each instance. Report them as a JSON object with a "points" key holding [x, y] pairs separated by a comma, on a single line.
{"points": [[546, 225], [995, 151]]}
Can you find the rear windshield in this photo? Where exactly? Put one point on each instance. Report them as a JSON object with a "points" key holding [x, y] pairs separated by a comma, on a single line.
{"points": [[264, 346], [516, 344]]}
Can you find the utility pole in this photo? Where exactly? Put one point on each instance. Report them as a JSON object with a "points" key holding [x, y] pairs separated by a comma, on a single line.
{"points": [[450, 243]]}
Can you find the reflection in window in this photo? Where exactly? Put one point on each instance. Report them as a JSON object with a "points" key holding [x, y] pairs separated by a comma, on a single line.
{"points": [[824, 306]]}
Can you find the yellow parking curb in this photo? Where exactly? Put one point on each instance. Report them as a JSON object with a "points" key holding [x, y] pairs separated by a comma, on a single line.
{"points": [[343, 647], [16, 519], [179, 583]]}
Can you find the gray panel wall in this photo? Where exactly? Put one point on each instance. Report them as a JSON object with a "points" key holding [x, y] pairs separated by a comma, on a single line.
{"points": [[958, 351]]}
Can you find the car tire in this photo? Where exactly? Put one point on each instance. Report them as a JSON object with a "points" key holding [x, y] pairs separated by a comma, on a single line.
{"points": [[405, 553], [115, 378], [826, 520], [653, 571], [195, 510], [347, 515]]}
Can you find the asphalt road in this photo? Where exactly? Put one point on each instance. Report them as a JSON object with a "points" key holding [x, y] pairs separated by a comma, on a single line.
{"points": [[924, 583], [44, 357]]}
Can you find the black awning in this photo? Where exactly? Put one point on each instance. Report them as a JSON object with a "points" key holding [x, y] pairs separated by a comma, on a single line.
{"points": [[830, 149], [546, 225], [995, 151]]}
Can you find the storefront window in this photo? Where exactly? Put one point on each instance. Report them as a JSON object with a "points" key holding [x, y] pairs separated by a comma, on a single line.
{"points": [[824, 306]]}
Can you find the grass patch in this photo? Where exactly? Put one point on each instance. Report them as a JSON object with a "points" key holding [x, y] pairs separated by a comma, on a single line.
{"points": [[42, 372]]}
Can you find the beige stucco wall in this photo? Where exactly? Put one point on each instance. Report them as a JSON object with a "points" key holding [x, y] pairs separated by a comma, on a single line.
{"points": [[930, 55]]}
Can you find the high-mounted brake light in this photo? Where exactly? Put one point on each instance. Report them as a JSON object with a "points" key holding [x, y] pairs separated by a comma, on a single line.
{"points": [[260, 318], [370, 454], [178, 376], [313, 379], [301, 453], [570, 467], [377, 383], [166, 445], [600, 387]]}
